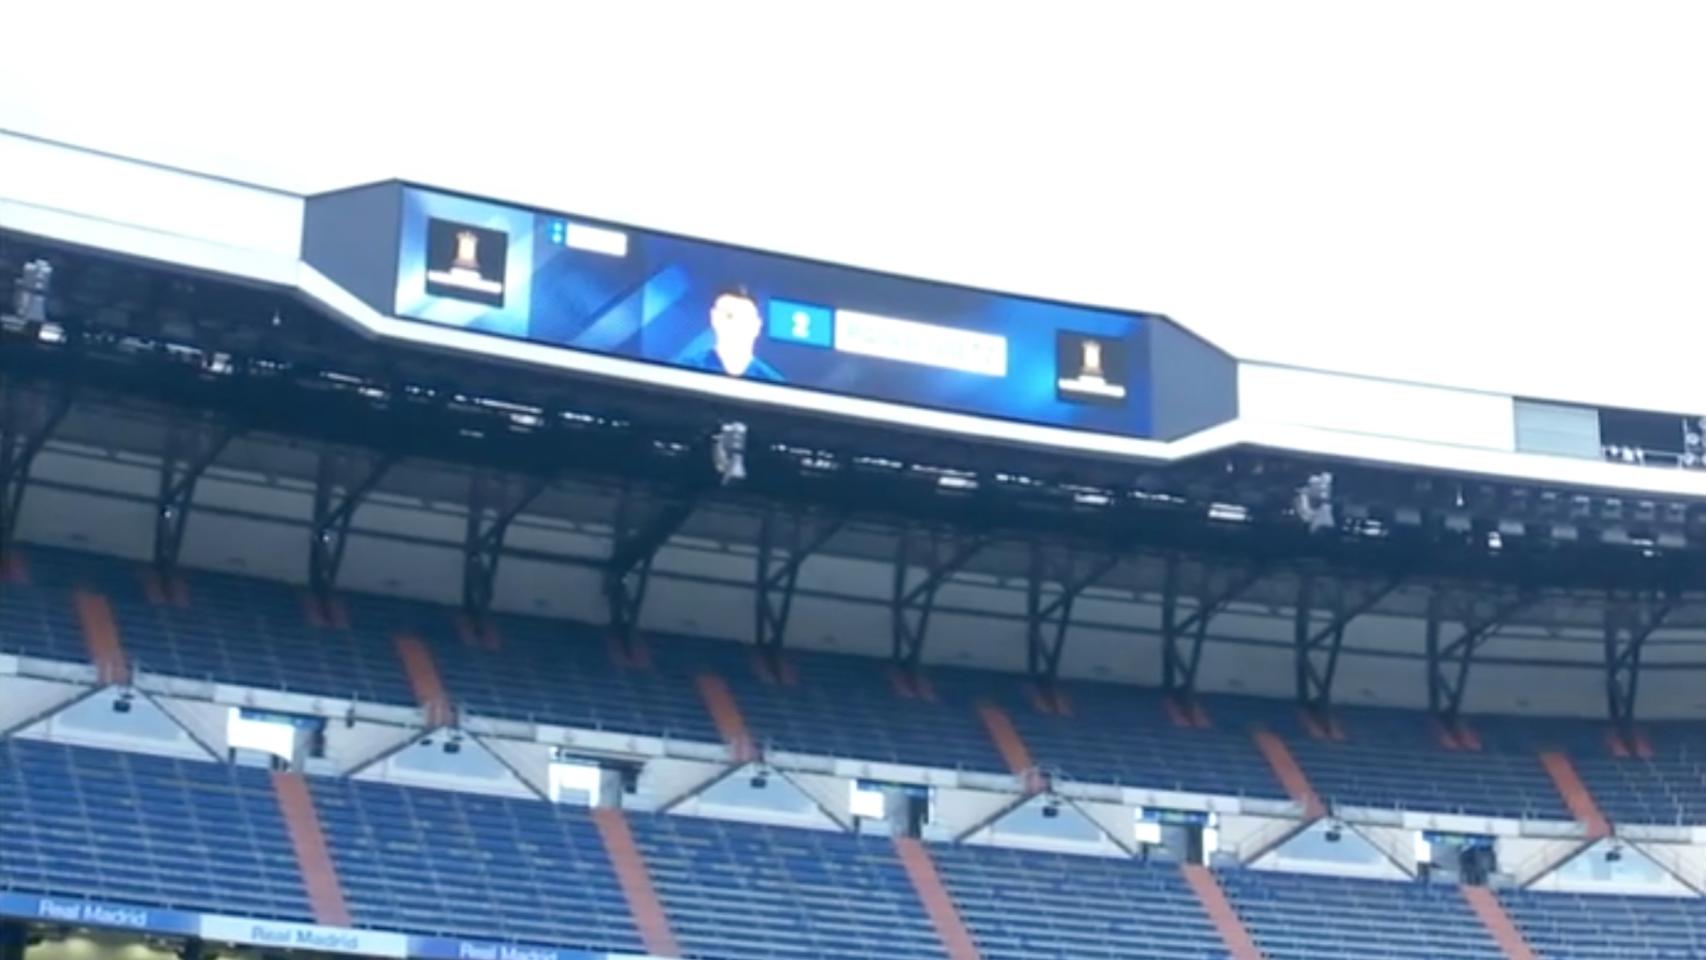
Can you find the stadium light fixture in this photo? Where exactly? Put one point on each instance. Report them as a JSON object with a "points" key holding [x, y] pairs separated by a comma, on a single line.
{"points": [[1229, 512], [1314, 502], [1091, 498], [867, 800], [29, 301], [728, 452]]}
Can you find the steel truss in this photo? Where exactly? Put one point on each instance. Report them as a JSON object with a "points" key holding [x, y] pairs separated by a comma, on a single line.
{"points": [[1449, 663], [342, 483], [27, 421], [1182, 640], [778, 570], [639, 534], [1317, 648], [190, 449], [914, 599], [493, 504], [1048, 612], [1629, 621]]}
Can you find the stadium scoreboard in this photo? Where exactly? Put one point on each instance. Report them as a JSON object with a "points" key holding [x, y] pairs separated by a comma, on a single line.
{"points": [[576, 284]]}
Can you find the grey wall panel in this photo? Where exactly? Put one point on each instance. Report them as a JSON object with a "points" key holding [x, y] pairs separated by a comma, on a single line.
{"points": [[351, 237], [1195, 382], [1558, 429]]}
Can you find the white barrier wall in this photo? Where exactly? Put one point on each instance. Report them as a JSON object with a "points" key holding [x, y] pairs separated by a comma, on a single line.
{"points": [[1386, 408], [159, 199]]}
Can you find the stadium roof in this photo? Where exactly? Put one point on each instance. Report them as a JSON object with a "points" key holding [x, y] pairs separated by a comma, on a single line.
{"points": [[216, 270]]}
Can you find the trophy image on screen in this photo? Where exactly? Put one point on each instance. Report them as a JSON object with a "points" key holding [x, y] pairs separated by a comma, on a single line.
{"points": [[466, 261], [1084, 373], [467, 253], [1092, 366]]}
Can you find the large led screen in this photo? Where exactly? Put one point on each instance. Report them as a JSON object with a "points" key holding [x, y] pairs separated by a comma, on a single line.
{"points": [[584, 285]]}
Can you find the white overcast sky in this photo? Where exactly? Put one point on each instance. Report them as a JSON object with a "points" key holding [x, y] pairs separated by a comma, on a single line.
{"points": [[1500, 195]]}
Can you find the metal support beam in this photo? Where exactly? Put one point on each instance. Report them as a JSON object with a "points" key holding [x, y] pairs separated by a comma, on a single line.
{"points": [[779, 571], [1182, 640], [493, 504], [1449, 663], [1317, 648], [26, 422], [1628, 624], [913, 601], [187, 456], [638, 537], [1047, 617], [337, 494]]}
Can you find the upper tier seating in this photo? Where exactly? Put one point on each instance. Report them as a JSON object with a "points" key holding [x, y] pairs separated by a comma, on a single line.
{"points": [[236, 630], [1302, 917], [846, 706], [1390, 758], [39, 619], [1597, 927], [1668, 787], [132, 828], [545, 671], [467, 865], [741, 890], [1121, 735], [247, 631], [1024, 905]]}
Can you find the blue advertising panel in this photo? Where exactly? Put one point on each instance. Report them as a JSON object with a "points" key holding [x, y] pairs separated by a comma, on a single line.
{"points": [[76, 911], [591, 286], [285, 935]]}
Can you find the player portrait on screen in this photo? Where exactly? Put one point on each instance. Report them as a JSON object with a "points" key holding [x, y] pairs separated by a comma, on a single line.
{"points": [[735, 328]]}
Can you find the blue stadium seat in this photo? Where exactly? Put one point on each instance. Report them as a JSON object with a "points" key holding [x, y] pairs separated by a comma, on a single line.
{"points": [[466, 865], [247, 631], [742, 890], [847, 707], [148, 830], [1601, 927], [1302, 917], [1121, 735], [38, 618], [1667, 788], [1389, 758], [1023, 905], [239, 630], [550, 671]]}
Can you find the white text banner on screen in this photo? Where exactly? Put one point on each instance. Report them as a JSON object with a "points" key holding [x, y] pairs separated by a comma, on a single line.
{"points": [[926, 344]]}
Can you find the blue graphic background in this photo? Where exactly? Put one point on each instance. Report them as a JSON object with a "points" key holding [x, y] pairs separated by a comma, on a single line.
{"points": [[654, 304]]}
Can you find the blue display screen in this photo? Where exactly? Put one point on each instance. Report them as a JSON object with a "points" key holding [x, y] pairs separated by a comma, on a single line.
{"points": [[592, 286]]}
